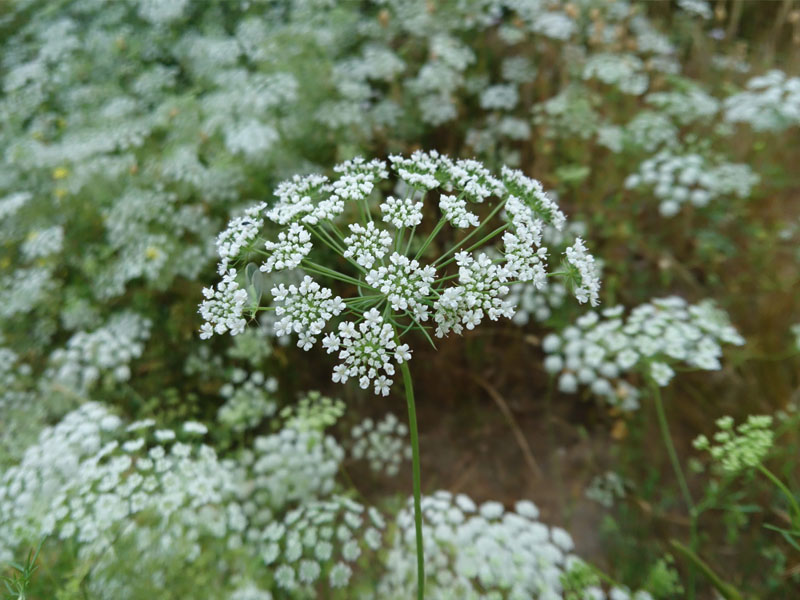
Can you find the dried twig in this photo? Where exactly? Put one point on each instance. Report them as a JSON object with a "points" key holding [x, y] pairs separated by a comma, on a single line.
{"points": [[521, 441]]}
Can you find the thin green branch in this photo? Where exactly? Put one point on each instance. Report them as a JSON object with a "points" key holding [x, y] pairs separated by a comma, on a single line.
{"points": [[676, 466], [786, 492], [474, 232], [412, 427]]}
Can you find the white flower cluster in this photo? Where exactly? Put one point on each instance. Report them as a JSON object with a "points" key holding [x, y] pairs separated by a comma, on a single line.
{"points": [[535, 304], [249, 400], [291, 466], [27, 490], [366, 349], [456, 212], [402, 286], [486, 551], [473, 179], [367, 244], [678, 179], [357, 178], [587, 288], [405, 283], [13, 374], [319, 541], [161, 12], [402, 213], [534, 208], [606, 489], [569, 113], [478, 550], [12, 203], [698, 8], [156, 237], [686, 106], [417, 171], [771, 102], [251, 138], [106, 486], [480, 292], [307, 309], [313, 412], [254, 345], [649, 131], [40, 244], [623, 71], [23, 290], [87, 476], [296, 198], [238, 236], [600, 351], [186, 486], [223, 307], [499, 97], [539, 302], [437, 80], [250, 591], [384, 445], [290, 249], [103, 353]]}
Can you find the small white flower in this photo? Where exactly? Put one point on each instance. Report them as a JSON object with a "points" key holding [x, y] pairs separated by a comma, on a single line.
{"points": [[588, 288], [455, 211], [661, 373], [288, 252], [367, 244], [401, 213]]}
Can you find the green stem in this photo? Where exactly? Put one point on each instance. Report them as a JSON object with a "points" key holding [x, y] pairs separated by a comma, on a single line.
{"points": [[366, 210], [412, 427], [336, 232], [447, 278], [786, 492], [326, 239], [479, 243], [410, 239], [369, 298], [725, 589], [430, 237], [473, 233], [676, 466], [322, 270], [673, 455]]}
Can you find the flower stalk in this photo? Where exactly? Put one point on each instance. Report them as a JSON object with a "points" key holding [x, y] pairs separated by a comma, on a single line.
{"points": [[408, 384]]}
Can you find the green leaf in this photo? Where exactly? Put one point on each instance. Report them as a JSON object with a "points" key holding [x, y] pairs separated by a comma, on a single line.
{"points": [[787, 535]]}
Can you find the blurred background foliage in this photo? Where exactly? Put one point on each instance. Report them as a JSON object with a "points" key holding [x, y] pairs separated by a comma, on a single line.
{"points": [[131, 131]]}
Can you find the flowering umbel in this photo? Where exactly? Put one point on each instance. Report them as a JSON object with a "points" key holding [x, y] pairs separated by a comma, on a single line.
{"points": [[395, 274]]}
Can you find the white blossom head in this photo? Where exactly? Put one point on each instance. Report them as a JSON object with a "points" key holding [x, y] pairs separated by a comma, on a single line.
{"points": [[425, 244]]}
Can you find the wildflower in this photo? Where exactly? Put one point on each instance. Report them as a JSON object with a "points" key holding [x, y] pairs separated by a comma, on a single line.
{"points": [[223, 307], [399, 288], [367, 244], [655, 336], [742, 447], [383, 445]]}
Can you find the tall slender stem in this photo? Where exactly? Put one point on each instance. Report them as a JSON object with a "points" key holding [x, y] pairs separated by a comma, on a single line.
{"points": [[782, 487], [412, 427], [676, 466]]}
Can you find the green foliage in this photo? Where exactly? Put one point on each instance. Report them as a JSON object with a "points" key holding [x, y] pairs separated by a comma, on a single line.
{"points": [[18, 583]]}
